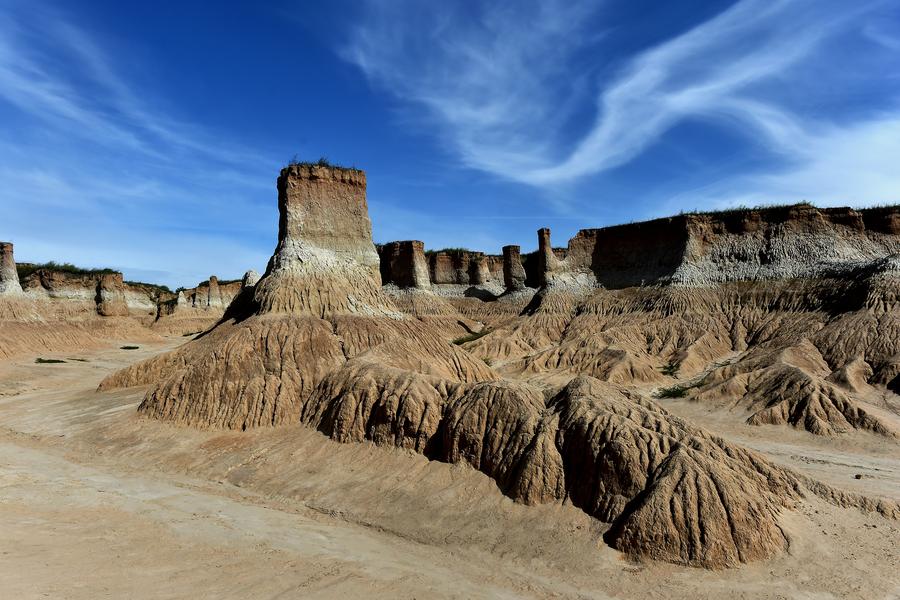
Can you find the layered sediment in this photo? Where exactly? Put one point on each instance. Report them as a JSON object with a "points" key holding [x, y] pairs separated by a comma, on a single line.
{"points": [[102, 291], [464, 267], [70, 313], [317, 340], [756, 325], [404, 265], [111, 296], [513, 269], [9, 277], [785, 242], [319, 304]]}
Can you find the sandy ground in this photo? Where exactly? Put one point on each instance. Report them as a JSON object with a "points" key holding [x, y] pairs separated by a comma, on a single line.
{"points": [[96, 502]]}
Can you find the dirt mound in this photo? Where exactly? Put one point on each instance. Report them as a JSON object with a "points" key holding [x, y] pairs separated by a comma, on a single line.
{"points": [[31, 326], [671, 491], [853, 377], [789, 384]]}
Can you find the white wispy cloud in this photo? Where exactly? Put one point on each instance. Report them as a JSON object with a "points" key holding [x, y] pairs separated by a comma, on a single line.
{"points": [[497, 88], [92, 173], [482, 78], [834, 166]]}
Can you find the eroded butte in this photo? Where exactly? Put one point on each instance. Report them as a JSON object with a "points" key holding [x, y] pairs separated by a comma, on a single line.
{"points": [[658, 408]]}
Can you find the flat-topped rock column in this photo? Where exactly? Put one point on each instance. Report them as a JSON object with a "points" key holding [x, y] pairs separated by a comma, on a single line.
{"points": [[403, 264], [325, 262], [513, 269], [479, 271]]}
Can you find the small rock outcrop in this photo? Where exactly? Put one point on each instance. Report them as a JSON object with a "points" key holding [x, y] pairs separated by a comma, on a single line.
{"points": [[249, 280], [546, 259], [194, 310], [9, 277], [403, 264]]}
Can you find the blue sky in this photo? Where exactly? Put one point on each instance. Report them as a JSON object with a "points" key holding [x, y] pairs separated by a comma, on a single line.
{"points": [[148, 136]]}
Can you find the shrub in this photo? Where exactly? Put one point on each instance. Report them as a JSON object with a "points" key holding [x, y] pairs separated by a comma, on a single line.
{"points": [[48, 361], [472, 336], [676, 391], [671, 369], [129, 347], [322, 162]]}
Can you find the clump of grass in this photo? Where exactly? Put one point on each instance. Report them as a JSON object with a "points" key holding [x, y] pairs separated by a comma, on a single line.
{"points": [[676, 391], [680, 390], [48, 361], [454, 250], [322, 162], [472, 336], [129, 347], [743, 208], [671, 369], [488, 361]]}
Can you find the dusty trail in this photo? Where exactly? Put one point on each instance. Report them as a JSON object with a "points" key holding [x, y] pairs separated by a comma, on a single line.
{"points": [[96, 502]]}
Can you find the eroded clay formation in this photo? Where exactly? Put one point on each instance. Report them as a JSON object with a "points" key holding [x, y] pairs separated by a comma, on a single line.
{"points": [[773, 340], [513, 269], [404, 265], [9, 277], [51, 310], [317, 340]]}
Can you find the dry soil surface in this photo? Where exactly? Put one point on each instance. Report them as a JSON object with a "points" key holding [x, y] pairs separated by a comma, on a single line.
{"points": [[97, 502]]}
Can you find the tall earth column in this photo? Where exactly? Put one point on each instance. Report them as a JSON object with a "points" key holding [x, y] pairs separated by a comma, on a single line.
{"points": [[513, 269], [9, 277]]}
